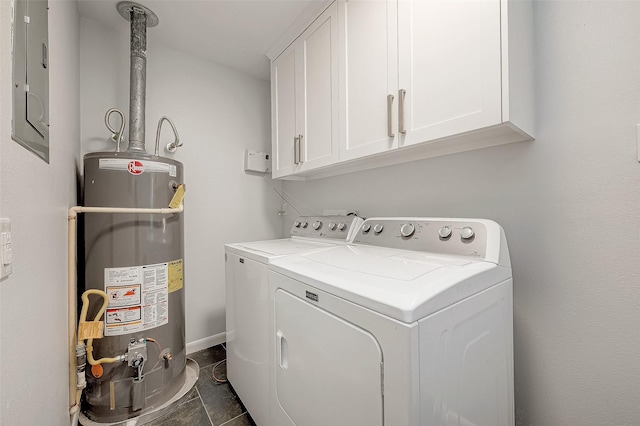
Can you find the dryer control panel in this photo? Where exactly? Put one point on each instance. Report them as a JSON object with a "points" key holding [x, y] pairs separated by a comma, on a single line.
{"points": [[463, 237], [333, 227]]}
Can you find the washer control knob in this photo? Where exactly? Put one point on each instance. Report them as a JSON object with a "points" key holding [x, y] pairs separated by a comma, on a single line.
{"points": [[366, 228], [407, 230], [342, 226], [332, 226], [445, 232], [297, 224], [467, 233], [317, 225], [378, 228], [304, 224]]}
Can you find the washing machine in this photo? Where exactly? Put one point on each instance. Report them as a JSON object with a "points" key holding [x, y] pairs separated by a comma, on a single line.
{"points": [[246, 267], [409, 325]]}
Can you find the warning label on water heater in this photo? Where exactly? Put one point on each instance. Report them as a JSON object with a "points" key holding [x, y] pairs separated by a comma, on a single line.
{"points": [[138, 298]]}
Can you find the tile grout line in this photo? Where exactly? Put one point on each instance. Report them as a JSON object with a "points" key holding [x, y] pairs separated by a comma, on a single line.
{"points": [[236, 417], [195, 386], [203, 406]]}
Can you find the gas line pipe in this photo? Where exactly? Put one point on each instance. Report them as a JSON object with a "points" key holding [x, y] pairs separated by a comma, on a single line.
{"points": [[75, 393]]}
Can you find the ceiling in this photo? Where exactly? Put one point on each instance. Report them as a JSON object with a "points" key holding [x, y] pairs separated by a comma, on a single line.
{"points": [[233, 33]]}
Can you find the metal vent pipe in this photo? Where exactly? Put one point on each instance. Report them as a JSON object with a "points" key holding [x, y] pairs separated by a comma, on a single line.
{"points": [[137, 79], [140, 18]]}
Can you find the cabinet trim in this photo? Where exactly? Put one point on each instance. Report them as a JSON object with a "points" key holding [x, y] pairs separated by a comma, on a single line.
{"points": [[483, 138], [302, 22]]}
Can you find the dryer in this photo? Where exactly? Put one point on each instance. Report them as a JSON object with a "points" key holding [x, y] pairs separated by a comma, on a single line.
{"points": [[246, 267], [411, 324]]}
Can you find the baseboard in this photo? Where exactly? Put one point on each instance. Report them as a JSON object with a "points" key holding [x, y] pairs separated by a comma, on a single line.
{"points": [[205, 343]]}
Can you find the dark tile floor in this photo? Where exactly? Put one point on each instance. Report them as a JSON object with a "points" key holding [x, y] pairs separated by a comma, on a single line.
{"points": [[209, 403]]}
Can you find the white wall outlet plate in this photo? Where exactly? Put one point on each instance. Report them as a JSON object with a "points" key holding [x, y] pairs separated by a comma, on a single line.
{"points": [[6, 254]]}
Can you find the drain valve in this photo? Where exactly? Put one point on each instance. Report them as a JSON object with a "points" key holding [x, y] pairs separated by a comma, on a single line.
{"points": [[167, 356]]}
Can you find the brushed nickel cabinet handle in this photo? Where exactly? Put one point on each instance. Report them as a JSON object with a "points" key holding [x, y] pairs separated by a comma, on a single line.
{"points": [[389, 122], [401, 95], [300, 148], [296, 150]]}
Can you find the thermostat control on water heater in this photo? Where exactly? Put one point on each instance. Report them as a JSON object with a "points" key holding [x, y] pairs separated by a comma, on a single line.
{"points": [[255, 161]]}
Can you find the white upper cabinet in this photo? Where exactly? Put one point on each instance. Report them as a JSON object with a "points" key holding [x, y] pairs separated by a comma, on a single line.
{"points": [[368, 77], [304, 89], [319, 91], [283, 110], [449, 68], [415, 79]]}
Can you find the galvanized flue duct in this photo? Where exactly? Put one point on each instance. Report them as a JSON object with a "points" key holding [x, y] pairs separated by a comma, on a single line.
{"points": [[140, 18]]}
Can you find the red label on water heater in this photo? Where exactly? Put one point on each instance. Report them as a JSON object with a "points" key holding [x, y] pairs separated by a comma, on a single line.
{"points": [[135, 167]]}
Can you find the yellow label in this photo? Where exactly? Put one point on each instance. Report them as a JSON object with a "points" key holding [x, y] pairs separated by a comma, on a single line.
{"points": [[176, 274], [177, 197]]}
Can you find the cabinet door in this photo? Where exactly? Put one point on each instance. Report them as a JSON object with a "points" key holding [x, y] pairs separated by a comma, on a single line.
{"points": [[318, 94], [368, 74], [283, 112], [449, 65]]}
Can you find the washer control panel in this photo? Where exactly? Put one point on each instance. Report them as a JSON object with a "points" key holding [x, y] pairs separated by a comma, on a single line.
{"points": [[334, 227], [445, 236]]}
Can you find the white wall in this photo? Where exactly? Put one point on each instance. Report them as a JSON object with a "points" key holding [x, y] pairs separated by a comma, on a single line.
{"points": [[36, 196], [218, 114], [570, 205]]}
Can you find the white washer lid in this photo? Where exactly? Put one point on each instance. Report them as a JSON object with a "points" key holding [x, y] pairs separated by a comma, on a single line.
{"points": [[263, 251], [384, 262], [404, 285]]}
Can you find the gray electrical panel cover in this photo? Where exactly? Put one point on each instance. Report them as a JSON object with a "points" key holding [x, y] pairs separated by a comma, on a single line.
{"points": [[30, 55]]}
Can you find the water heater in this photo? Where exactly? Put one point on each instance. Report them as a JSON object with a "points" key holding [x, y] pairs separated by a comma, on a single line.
{"points": [[136, 262]]}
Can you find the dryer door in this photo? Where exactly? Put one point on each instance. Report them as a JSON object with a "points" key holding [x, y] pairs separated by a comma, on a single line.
{"points": [[328, 371]]}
